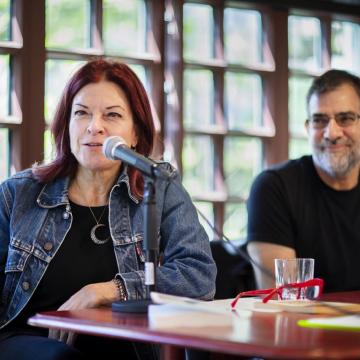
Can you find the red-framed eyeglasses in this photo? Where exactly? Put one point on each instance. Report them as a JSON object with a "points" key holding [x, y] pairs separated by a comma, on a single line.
{"points": [[311, 289]]}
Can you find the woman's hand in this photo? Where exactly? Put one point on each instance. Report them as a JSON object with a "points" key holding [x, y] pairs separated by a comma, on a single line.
{"points": [[89, 296], [92, 295]]}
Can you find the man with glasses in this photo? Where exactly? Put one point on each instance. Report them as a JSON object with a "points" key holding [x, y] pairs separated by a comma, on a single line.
{"points": [[310, 207]]}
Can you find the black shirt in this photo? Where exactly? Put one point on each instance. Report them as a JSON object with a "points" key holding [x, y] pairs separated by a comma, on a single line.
{"points": [[290, 205]]}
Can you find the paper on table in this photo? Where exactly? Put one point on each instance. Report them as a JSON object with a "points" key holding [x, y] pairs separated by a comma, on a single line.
{"points": [[189, 303], [219, 306], [174, 316], [309, 307], [349, 322], [178, 311]]}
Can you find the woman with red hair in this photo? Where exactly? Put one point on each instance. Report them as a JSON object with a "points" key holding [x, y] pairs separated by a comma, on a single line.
{"points": [[71, 231]]}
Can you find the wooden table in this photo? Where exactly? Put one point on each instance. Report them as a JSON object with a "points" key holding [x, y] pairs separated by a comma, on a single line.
{"points": [[267, 335]]}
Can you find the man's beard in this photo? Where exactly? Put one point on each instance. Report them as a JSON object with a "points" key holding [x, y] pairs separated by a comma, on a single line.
{"points": [[336, 165]]}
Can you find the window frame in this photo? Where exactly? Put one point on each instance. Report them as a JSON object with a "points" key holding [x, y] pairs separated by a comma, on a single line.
{"points": [[165, 66]]}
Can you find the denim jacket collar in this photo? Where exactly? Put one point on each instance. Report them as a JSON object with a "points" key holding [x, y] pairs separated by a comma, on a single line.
{"points": [[56, 193]]}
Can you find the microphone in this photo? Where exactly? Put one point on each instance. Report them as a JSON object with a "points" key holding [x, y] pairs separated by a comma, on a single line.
{"points": [[115, 148]]}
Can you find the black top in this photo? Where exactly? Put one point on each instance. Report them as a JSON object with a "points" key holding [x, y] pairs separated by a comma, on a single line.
{"points": [[290, 205], [78, 262]]}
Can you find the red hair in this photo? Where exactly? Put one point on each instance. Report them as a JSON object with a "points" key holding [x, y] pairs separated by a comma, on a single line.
{"points": [[65, 163]]}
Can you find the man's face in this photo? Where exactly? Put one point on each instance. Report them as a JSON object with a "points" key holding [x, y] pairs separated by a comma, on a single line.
{"points": [[336, 148]]}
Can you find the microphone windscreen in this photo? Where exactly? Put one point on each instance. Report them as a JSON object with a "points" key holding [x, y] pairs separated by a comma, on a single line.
{"points": [[110, 145]]}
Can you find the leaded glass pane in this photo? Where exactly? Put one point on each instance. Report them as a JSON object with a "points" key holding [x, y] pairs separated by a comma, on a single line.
{"points": [[243, 100], [67, 24], [345, 45], [4, 154], [198, 155], [298, 88], [4, 20], [243, 36], [198, 32], [4, 85], [235, 221], [304, 43], [242, 162], [198, 98], [124, 26]]}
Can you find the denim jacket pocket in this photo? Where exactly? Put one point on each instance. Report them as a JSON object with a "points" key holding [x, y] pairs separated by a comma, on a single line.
{"points": [[129, 253], [17, 257]]}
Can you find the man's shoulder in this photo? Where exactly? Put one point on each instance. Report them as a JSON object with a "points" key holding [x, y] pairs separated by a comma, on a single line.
{"points": [[293, 167], [288, 172]]}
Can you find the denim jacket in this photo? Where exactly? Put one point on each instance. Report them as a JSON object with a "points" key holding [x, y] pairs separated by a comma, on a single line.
{"points": [[35, 218]]}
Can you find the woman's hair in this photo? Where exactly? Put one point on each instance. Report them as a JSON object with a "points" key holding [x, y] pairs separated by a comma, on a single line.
{"points": [[65, 163]]}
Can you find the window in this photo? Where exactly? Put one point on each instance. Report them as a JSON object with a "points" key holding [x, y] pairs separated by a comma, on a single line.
{"points": [[227, 81], [72, 30], [223, 109], [5, 88], [345, 39], [308, 56]]}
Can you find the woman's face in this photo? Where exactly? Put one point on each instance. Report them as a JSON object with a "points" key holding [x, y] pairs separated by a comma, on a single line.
{"points": [[99, 110]]}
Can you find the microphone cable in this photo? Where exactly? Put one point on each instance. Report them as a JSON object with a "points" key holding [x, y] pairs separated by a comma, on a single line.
{"points": [[239, 251]]}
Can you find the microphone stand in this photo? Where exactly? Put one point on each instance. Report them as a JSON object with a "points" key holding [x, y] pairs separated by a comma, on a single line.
{"points": [[150, 247]]}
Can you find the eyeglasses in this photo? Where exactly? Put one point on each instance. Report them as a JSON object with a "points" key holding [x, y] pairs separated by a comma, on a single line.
{"points": [[310, 289], [343, 119]]}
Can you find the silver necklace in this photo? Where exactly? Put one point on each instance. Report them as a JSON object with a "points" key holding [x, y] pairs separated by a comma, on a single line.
{"points": [[96, 226]]}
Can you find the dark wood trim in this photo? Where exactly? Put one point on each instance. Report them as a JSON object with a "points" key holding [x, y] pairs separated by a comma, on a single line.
{"points": [[276, 88], [174, 66], [156, 45], [96, 33], [326, 42]]}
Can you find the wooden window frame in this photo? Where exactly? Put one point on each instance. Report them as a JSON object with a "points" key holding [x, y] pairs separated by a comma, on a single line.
{"points": [[165, 66]]}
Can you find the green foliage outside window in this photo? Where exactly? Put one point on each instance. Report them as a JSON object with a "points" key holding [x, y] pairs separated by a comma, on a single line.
{"points": [[298, 148], [242, 162], [198, 32], [198, 98], [298, 89], [4, 20], [67, 24], [345, 47], [235, 221], [124, 26], [198, 155], [304, 42], [243, 98], [243, 44]]}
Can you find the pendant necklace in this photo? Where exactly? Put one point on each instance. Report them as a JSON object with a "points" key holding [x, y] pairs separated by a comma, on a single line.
{"points": [[95, 227]]}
